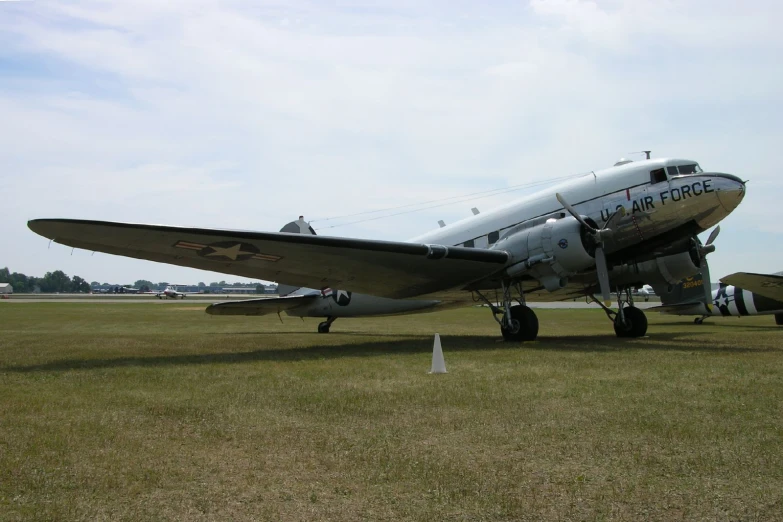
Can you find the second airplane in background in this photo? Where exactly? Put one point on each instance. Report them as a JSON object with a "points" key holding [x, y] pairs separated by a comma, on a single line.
{"points": [[738, 295]]}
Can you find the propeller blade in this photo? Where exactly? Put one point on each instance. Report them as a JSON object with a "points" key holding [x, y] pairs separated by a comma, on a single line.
{"points": [[713, 235], [611, 223], [707, 282], [573, 212], [603, 275]]}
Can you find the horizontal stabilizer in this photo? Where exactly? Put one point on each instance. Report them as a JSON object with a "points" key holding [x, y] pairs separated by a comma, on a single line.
{"points": [[262, 306], [675, 308], [767, 285]]}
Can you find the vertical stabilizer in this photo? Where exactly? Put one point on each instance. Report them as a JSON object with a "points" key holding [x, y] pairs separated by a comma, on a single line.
{"points": [[300, 226]]}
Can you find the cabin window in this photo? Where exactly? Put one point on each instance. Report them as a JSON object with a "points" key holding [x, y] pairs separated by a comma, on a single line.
{"points": [[469, 244], [657, 176], [672, 171], [493, 237]]}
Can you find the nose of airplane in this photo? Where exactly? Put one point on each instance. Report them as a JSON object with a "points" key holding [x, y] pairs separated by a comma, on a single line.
{"points": [[730, 190]]}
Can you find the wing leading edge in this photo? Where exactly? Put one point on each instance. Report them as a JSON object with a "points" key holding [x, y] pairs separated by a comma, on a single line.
{"points": [[382, 268], [768, 285]]}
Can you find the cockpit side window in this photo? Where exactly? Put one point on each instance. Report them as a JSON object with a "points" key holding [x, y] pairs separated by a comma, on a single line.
{"points": [[672, 171], [657, 176]]}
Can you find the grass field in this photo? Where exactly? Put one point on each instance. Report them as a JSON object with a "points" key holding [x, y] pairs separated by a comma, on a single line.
{"points": [[153, 412]]}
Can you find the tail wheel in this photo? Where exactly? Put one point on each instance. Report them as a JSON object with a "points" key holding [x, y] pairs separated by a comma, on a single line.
{"points": [[635, 324], [523, 327]]}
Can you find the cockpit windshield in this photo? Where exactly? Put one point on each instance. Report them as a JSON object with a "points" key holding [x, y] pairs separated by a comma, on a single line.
{"points": [[692, 168]]}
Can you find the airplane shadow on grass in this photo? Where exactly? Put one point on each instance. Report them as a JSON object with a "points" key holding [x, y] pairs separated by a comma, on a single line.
{"points": [[411, 345]]}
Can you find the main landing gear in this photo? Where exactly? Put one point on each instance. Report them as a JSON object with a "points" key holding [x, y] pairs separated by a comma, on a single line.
{"points": [[628, 320], [517, 321], [700, 320], [323, 327]]}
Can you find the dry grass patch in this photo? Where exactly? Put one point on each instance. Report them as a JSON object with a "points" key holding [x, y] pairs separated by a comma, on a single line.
{"points": [[145, 412]]}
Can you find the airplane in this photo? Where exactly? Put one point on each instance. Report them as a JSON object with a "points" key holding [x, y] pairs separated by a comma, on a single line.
{"points": [[172, 292], [738, 295], [645, 291], [634, 223]]}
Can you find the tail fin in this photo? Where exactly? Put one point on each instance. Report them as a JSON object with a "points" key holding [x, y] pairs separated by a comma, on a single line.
{"points": [[300, 226]]}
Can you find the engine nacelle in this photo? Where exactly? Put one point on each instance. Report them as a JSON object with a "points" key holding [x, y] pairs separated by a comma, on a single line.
{"points": [[668, 270], [551, 251]]}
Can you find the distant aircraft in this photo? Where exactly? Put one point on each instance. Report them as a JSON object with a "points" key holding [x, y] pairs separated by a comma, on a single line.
{"points": [[606, 232], [739, 294], [644, 292], [172, 292]]}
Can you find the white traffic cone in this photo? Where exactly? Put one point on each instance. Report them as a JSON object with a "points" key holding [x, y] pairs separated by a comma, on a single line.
{"points": [[438, 363]]}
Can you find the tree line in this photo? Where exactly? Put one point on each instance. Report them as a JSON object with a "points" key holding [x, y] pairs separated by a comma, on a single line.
{"points": [[57, 281]]}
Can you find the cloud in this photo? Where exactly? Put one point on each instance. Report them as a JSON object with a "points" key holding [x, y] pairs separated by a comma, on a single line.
{"points": [[244, 121]]}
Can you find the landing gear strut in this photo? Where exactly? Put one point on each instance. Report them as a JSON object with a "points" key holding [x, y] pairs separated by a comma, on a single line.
{"points": [[323, 327], [628, 320], [517, 321]]}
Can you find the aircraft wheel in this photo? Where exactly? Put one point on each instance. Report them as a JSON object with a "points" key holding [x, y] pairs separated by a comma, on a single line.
{"points": [[779, 319], [635, 323], [323, 327], [524, 325], [698, 320]]}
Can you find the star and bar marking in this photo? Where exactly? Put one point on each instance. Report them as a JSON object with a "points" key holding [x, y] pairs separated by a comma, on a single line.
{"points": [[232, 250]]}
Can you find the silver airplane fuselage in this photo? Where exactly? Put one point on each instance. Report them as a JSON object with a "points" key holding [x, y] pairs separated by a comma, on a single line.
{"points": [[692, 202], [670, 205]]}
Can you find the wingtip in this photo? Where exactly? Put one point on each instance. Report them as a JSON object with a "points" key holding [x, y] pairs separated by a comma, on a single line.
{"points": [[39, 226]]}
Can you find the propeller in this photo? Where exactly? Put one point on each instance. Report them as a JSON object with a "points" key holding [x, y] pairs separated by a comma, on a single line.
{"points": [[708, 247], [707, 282], [600, 235], [703, 250]]}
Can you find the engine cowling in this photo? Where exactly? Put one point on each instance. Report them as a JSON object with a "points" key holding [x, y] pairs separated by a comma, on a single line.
{"points": [[551, 251], [667, 270]]}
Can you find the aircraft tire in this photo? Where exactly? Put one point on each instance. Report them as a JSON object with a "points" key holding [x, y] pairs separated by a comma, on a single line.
{"points": [[698, 320], [779, 319], [526, 324], [323, 327], [635, 323]]}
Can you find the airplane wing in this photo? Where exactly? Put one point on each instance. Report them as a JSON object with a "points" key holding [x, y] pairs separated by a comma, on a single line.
{"points": [[382, 268], [259, 306], [676, 308], [768, 285]]}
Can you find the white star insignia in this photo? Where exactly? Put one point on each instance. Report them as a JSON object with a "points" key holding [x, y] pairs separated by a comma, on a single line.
{"points": [[232, 253]]}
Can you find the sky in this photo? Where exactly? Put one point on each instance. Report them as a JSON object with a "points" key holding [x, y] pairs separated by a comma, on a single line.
{"points": [[246, 114]]}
